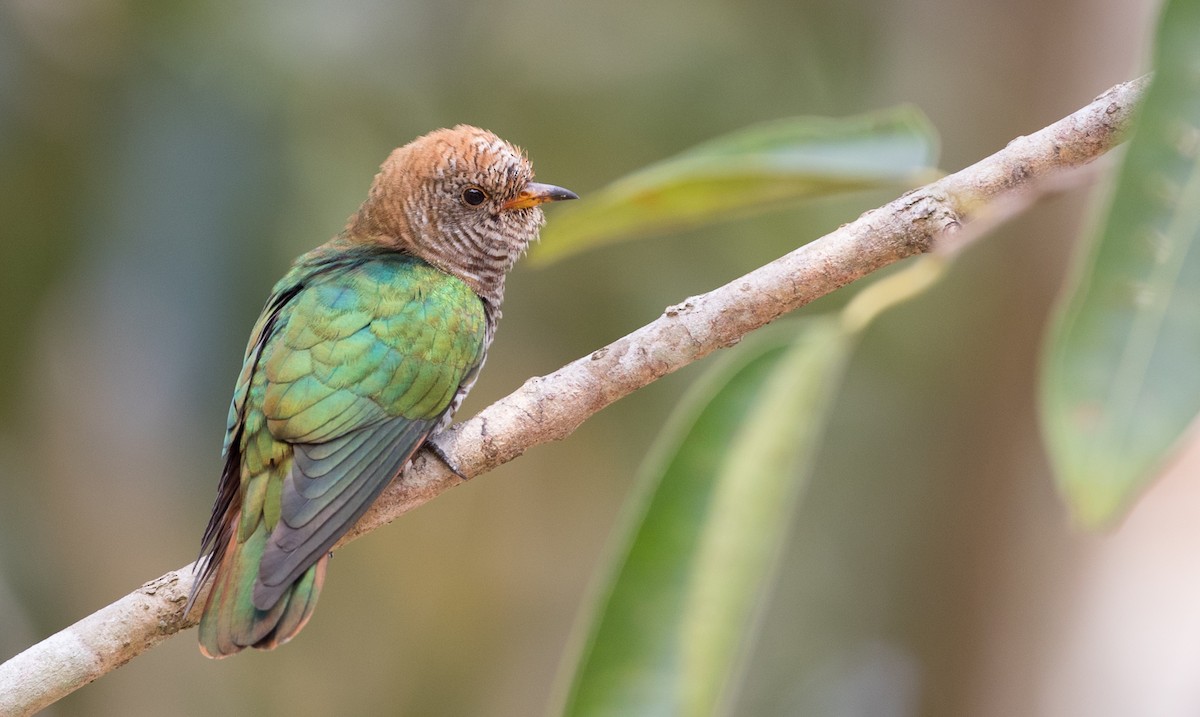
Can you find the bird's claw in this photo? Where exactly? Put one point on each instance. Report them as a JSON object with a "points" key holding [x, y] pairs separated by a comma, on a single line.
{"points": [[440, 452]]}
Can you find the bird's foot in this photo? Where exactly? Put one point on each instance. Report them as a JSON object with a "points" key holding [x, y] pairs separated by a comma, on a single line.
{"points": [[437, 450]]}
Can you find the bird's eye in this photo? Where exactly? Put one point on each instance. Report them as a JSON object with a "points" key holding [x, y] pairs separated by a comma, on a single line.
{"points": [[474, 196]]}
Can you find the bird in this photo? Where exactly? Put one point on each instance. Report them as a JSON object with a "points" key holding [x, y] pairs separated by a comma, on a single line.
{"points": [[363, 352]]}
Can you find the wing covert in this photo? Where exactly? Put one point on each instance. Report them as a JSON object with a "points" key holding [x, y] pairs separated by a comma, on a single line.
{"points": [[363, 367]]}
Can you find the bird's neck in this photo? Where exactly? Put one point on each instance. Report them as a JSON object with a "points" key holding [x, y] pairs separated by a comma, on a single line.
{"points": [[480, 262], [486, 278]]}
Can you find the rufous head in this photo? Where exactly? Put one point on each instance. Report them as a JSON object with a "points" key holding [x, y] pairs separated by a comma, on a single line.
{"points": [[462, 199]]}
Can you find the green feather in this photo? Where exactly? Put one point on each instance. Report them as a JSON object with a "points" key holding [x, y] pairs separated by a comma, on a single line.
{"points": [[355, 360], [231, 622]]}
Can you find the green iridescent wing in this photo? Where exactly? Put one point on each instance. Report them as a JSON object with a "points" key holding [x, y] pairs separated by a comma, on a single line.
{"points": [[362, 368], [354, 362]]}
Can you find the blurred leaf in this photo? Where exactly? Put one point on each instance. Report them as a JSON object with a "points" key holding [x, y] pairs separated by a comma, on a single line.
{"points": [[719, 487], [1122, 375], [746, 171]]}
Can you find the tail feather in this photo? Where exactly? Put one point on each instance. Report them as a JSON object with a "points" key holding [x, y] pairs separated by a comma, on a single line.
{"points": [[301, 601], [230, 621]]}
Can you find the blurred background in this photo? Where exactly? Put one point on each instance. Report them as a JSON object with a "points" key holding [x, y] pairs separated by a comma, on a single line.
{"points": [[161, 164]]}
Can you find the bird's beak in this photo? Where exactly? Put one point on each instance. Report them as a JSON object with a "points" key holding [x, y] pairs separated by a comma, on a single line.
{"points": [[536, 193]]}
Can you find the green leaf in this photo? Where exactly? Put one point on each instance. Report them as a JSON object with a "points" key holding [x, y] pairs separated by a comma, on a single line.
{"points": [[747, 171], [718, 490], [1122, 367]]}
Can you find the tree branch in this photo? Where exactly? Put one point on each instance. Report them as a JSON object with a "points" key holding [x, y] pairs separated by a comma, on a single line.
{"points": [[549, 408]]}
